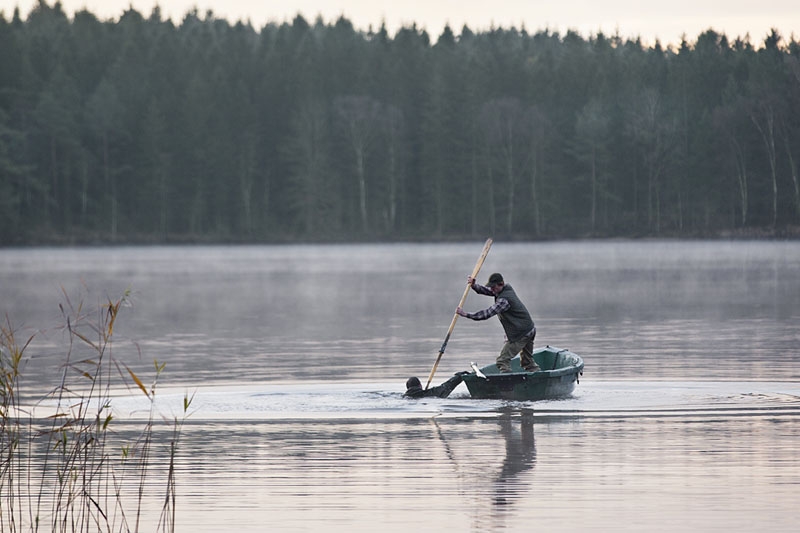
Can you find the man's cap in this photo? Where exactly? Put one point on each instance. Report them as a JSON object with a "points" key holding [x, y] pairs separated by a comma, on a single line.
{"points": [[495, 279], [412, 383]]}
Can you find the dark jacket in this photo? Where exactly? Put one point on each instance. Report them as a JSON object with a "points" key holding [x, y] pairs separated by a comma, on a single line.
{"points": [[440, 391], [517, 321]]}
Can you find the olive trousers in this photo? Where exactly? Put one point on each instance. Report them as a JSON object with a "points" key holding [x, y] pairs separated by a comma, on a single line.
{"points": [[524, 347]]}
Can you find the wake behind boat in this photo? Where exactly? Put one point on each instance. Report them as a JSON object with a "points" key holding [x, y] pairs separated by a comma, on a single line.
{"points": [[560, 371]]}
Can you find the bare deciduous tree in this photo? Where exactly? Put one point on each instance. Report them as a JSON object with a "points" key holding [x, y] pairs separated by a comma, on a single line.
{"points": [[359, 116], [307, 155], [591, 131], [505, 132], [654, 133]]}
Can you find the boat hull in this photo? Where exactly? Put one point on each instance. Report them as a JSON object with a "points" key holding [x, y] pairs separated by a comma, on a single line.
{"points": [[560, 372]]}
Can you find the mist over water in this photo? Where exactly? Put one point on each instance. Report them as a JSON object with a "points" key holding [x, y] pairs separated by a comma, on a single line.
{"points": [[297, 355]]}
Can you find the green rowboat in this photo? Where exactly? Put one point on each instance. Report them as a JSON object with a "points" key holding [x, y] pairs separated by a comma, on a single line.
{"points": [[560, 371]]}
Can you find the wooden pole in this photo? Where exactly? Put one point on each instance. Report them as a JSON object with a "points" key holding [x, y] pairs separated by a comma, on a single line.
{"points": [[475, 271]]}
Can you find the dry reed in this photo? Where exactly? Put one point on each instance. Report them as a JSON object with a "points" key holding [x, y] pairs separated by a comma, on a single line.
{"points": [[67, 471]]}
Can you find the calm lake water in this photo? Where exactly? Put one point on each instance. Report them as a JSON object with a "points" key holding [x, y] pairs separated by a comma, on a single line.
{"points": [[687, 416]]}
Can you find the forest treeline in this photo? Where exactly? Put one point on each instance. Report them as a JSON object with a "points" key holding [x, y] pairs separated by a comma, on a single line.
{"points": [[139, 129]]}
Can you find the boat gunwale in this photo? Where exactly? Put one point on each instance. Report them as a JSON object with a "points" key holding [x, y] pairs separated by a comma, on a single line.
{"points": [[575, 366]]}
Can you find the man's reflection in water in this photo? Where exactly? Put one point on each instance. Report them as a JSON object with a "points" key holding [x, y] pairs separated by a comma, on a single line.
{"points": [[520, 455], [507, 486]]}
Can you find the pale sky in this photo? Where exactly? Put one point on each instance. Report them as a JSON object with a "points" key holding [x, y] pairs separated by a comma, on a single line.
{"points": [[664, 20]]}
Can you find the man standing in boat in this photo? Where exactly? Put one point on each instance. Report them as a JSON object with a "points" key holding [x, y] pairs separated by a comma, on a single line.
{"points": [[515, 318]]}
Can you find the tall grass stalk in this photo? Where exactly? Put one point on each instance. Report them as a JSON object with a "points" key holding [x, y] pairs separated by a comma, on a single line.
{"points": [[67, 471]]}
